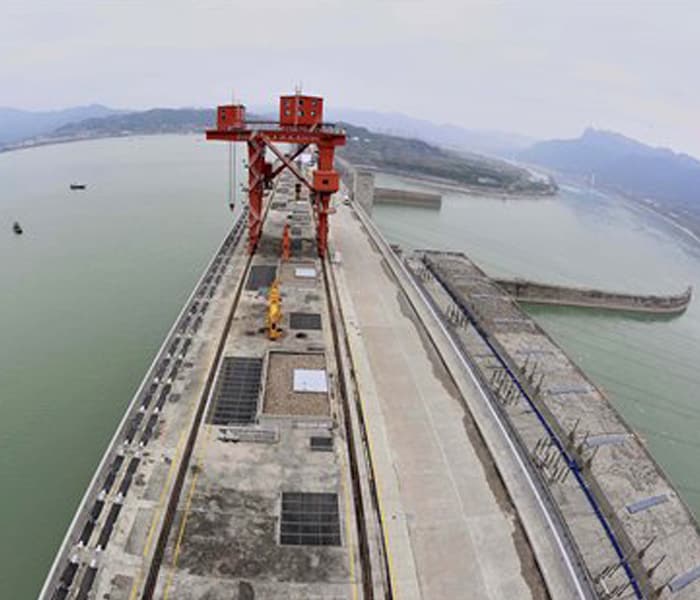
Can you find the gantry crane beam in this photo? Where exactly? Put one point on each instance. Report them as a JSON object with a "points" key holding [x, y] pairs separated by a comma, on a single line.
{"points": [[301, 123], [288, 163], [293, 156]]}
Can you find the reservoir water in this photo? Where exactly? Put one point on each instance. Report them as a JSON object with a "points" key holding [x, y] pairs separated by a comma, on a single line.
{"points": [[89, 291], [87, 296]]}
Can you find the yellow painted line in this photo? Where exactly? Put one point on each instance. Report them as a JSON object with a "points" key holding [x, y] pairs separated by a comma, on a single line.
{"points": [[186, 514], [161, 501], [378, 486], [348, 529], [368, 437], [180, 536], [195, 477]]}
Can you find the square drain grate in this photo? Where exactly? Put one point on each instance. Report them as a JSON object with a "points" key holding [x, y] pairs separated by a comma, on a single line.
{"points": [[237, 391], [261, 276], [299, 320], [309, 519]]}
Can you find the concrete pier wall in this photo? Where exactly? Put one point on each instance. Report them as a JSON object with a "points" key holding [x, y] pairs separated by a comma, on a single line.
{"points": [[363, 189], [541, 293], [407, 198]]}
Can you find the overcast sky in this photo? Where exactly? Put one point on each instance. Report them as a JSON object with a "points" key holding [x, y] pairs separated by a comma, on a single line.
{"points": [[545, 68]]}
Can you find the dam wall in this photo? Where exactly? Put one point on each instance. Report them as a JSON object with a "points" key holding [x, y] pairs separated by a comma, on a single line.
{"points": [[363, 191], [358, 182], [541, 293]]}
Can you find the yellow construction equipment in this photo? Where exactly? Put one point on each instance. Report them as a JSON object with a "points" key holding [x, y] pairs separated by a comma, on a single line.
{"points": [[274, 311]]}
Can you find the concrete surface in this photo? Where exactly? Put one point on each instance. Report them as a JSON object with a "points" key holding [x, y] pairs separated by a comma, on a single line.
{"points": [[437, 481]]}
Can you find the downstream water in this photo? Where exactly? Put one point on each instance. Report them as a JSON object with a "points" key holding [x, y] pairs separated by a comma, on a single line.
{"points": [[647, 365], [89, 291]]}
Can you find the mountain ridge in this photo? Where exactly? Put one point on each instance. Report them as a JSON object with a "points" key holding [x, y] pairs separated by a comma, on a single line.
{"points": [[492, 143], [666, 179], [17, 124], [382, 151]]}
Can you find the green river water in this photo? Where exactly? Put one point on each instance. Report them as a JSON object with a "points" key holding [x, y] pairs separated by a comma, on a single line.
{"points": [[91, 288]]}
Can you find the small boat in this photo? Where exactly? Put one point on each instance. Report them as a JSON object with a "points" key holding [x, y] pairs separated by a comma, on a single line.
{"points": [[77, 186], [17, 228]]}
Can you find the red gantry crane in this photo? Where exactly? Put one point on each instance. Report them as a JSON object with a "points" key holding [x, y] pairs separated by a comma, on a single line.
{"points": [[300, 123]]}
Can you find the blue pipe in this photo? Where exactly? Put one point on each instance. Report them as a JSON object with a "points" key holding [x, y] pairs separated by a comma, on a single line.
{"points": [[571, 463]]}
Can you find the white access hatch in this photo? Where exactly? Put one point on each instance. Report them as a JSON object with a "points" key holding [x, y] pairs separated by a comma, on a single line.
{"points": [[305, 272], [310, 380]]}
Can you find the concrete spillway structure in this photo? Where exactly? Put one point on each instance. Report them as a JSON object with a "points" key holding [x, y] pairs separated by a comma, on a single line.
{"points": [[367, 452], [629, 524]]}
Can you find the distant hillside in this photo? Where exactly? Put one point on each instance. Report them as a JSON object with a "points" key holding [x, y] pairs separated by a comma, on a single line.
{"points": [[16, 125], [387, 152], [482, 141], [492, 143], [418, 158], [156, 120], [617, 162]]}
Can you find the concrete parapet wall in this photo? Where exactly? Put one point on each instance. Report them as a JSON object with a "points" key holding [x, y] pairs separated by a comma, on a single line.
{"points": [[541, 293]]}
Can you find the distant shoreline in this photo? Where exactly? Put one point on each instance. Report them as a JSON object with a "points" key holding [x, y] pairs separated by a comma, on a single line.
{"points": [[56, 141], [637, 203], [641, 204], [667, 218], [424, 180]]}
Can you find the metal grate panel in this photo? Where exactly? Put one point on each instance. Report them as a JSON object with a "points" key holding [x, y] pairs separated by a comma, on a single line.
{"points": [[237, 391], [310, 519], [261, 276], [299, 320], [321, 444]]}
